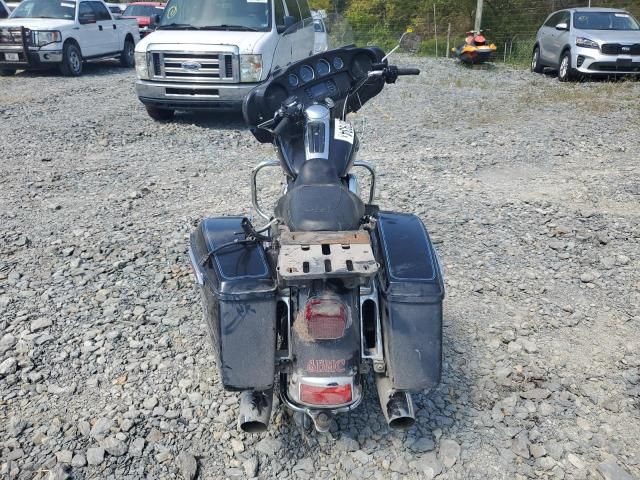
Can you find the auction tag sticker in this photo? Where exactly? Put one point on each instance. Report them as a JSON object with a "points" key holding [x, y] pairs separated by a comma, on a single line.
{"points": [[172, 11], [256, 1], [621, 15], [69, 5], [343, 131]]}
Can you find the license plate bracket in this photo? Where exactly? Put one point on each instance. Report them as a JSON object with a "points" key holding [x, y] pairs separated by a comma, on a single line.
{"points": [[11, 57]]}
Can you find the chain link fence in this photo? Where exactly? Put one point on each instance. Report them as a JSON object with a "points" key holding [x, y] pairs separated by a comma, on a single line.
{"points": [[441, 25]]}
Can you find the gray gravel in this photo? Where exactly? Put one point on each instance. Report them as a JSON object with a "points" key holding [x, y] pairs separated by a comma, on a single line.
{"points": [[530, 187]]}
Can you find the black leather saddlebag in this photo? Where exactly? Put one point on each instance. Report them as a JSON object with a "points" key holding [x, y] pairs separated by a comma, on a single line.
{"points": [[239, 302], [412, 290]]}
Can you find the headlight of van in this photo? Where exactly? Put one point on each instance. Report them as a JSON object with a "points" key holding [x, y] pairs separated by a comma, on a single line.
{"points": [[250, 68], [142, 69], [42, 38]]}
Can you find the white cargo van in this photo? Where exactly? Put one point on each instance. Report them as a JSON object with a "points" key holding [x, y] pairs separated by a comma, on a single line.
{"points": [[208, 54]]}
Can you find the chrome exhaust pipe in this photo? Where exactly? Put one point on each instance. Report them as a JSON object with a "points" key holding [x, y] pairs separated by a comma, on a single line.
{"points": [[397, 406], [255, 410]]}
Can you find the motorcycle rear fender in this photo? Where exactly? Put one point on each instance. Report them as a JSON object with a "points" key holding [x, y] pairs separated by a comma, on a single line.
{"points": [[325, 359]]}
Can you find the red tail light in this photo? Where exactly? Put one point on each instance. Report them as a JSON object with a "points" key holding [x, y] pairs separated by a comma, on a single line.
{"points": [[318, 395], [326, 318]]}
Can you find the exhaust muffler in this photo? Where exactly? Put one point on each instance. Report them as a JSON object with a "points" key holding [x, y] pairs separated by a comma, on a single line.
{"points": [[255, 410], [397, 406]]}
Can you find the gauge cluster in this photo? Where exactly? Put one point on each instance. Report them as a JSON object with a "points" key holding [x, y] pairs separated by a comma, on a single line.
{"points": [[311, 71], [328, 74]]}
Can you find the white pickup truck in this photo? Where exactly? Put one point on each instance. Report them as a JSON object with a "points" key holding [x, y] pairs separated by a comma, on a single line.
{"points": [[45, 33]]}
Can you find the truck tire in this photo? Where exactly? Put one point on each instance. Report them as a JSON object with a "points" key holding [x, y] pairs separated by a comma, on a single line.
{"points": [[7, 72], [71, 61], [127, 58], [160, 114]]}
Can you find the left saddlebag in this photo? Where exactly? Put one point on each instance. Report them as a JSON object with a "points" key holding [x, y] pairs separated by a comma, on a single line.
{"points": [[239, 302]]}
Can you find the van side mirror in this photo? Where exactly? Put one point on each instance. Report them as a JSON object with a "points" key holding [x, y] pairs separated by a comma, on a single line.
{"points": [[155, 20], [87, 18], [289, 22], [562, 26]]}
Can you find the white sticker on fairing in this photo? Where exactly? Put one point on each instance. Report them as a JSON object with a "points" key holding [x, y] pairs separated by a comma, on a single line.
{"points": [[343, 131]]}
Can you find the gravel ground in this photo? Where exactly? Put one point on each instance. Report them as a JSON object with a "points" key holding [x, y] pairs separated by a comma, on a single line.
{"points": [[530, 187]]}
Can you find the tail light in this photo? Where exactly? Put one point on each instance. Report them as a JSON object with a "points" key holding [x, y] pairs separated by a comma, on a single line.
{"points": [[326, 318], [327, 396]]}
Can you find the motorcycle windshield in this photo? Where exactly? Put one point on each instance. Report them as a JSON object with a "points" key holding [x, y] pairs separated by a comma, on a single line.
{"points": [[316, 34]]}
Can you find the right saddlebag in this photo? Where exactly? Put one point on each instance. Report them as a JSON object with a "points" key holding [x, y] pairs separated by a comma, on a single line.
{"points": [[412, 290], [239, 302]]}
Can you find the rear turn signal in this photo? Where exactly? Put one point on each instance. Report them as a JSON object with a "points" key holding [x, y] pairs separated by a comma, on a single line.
{"points": [[326, 396], [326, 318]]}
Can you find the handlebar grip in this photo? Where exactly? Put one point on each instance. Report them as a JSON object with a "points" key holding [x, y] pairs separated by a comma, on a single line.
{"points": [[408, 71], [282, 125]]}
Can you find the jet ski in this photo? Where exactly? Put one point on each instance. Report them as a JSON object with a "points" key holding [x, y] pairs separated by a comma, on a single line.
{"points": [[474, 50]]}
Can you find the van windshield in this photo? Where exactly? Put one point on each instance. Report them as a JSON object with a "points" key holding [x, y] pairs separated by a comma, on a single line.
{"points": [[242, 15]]}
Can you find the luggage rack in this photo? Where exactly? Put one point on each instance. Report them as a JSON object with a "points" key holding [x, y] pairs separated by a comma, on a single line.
{"points": [[314, 255]]}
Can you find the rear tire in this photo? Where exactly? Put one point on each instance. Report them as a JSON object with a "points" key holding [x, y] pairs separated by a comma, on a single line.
{"points": [[565, 72], [536, 66], [127, 58], [7, 72], [71, 61], [160, 114]]}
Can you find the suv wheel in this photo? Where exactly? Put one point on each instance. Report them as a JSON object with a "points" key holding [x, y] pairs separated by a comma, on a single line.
{"points": [[160, 114], [565, 72], [536, 66], [71, 61]]}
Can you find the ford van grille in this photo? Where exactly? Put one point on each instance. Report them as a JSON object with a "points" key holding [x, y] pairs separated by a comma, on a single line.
{"points": [[201, 67]]}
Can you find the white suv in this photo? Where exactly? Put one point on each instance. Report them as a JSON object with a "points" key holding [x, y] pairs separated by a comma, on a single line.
{"points": [[588, 41]]}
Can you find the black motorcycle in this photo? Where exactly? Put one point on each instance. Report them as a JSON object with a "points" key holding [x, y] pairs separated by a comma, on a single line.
{"points": [[331, 288]]}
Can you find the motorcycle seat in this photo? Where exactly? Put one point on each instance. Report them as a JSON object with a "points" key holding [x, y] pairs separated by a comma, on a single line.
{"points": [[319, 201]]}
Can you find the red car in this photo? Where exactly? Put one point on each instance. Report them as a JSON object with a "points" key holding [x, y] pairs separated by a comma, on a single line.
{"points": [[143, 12]]}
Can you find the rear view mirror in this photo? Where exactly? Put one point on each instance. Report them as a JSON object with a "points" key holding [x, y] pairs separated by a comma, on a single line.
{"points": [[410, 37], [87, 18], [562, 26], [289, 22]]}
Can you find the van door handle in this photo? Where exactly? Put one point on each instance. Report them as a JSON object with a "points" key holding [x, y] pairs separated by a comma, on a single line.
{"points": [[114, 26], [100, 27]]}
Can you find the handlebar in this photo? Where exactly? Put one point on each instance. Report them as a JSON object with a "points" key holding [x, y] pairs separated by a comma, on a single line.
{"points": [[282, 125], [408, 71], [391, 73]]}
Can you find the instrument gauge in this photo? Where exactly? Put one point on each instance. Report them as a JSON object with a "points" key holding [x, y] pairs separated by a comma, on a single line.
{"points": [[293, 80], [323, 67], [306, 73], [338, 63]]}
